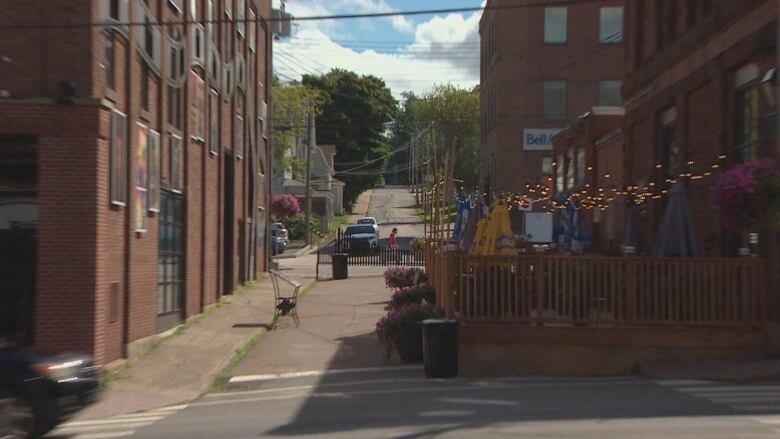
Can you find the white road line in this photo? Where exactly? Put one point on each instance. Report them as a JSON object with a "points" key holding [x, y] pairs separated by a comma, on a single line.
{"points": [[727, 388], [106, 435], [736, 399], [772, 420], [111, 421], [445, 413], [448, 388], [678, 383], [64, 429], [311, 373]]}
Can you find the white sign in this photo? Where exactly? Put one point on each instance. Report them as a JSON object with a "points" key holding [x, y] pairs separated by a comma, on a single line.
{"points": [[525, 205], [539, 226], [539, 139]]}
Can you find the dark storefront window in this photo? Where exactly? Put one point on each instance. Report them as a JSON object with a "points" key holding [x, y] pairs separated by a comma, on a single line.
{"points": [[170, 264], [746, 111]]}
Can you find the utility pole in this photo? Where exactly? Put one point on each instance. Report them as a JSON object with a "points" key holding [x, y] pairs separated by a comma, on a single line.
{"points": [[310, 144]]}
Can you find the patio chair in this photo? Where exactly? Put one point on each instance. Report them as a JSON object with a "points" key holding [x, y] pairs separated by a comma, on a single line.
{"points": [[284, 304]]}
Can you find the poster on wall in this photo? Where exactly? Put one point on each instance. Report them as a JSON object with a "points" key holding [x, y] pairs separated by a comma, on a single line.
{"points": [[141, 201], [154, 171], [141, 178], [197, 108]]}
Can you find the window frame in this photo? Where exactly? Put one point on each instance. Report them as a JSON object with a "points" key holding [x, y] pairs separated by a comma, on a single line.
{"points": [[176, 163], [118, 186], [154, 171], [611, 38], [602, 89], [213, 103], [549, 38], [546, 114]]}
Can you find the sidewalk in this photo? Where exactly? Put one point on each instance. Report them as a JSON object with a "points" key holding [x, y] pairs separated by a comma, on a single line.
{"points": [[361, 206], [336, 331], [746, 371], [182, 366]]}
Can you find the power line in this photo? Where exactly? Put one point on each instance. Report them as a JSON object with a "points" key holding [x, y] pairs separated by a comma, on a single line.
{"points": [[112, 23]]}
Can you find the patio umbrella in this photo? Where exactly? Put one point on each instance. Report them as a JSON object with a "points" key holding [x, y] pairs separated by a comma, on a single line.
{"points": [[632, 237], [470, 231], [461, 218], [559, 230], [580, 237], [676, 236]]}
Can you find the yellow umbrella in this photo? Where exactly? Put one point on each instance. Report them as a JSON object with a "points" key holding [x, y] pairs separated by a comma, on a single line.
{"points": [[477, 247], [504, 242]]}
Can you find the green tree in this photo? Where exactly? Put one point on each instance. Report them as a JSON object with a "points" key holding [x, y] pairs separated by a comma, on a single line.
{"points": [[291, 109], [454, 112], [354, 111]]}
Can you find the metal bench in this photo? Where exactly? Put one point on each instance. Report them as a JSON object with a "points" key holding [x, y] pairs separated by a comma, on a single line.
{"points": [[284, 304]]}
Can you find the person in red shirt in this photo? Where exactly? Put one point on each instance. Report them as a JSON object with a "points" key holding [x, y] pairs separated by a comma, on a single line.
{"points": [[393, 239]]}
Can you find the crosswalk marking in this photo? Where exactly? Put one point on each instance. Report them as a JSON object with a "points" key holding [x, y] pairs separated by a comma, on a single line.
{"points": [[740, 397], [114, 427]]}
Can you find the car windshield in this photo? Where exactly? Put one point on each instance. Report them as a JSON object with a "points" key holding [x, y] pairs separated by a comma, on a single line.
{"points": [[359, 230], [365, 221]]}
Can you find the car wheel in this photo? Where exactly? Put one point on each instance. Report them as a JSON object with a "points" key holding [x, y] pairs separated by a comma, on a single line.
{"points": [[17, 418]]}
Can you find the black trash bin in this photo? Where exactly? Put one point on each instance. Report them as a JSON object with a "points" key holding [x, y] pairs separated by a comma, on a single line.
{"points": [[340, 266], [440, 348]]}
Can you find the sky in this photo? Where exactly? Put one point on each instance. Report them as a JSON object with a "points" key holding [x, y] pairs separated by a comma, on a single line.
{"points": [[411, 53]]}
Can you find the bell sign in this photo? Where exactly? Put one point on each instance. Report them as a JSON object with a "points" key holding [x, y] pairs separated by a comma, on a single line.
{"points": [[539, 139]]}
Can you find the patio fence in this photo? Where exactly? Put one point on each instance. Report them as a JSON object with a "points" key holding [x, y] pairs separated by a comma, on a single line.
{"points": [[600, 291]]}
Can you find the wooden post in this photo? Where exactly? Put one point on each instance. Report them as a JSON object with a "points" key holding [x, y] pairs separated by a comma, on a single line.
{"points": [[539, 273]]}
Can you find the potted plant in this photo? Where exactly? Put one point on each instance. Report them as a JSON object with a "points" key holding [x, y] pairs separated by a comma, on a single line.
{"points": [[399, 277], [412, 295], [402, 328]]}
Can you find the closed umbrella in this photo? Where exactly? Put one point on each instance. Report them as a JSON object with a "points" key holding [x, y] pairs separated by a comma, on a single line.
{"points": [[580, 237], [676, 236], [470, 231], [633, 237]]}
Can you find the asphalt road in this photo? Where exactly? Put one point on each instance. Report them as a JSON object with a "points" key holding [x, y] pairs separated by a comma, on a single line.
{"points": [[401, 403]]}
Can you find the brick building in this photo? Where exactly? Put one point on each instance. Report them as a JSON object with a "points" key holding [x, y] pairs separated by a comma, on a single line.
{"points": [[541, 68], [133, 163], [701, 83], [589, 160]]}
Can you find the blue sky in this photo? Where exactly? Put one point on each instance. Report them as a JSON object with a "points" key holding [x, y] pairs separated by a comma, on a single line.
{"points": [[409, 52]]}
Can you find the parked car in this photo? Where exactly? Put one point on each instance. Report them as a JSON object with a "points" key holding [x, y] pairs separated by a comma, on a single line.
{"points": [[282, 232], [278, 243], [361, 238], [369, 220], [38, 392]]}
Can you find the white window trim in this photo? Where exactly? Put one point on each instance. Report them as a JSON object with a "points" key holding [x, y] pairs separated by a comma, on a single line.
{"points": [[228, 81], [154, 139], [198, 59], [155, 61], [240, 72], [252, 30], [124, 15], [177, 78], [175, 137], [177, 4]]}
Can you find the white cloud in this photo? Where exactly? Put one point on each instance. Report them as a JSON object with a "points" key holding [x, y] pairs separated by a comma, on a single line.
{"points": [[445, 49]]}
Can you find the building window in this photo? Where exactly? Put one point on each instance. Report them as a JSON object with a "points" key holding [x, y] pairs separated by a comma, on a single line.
{"points": [[570, 169], [241, 18], [213, 122], [210, 21], [118, 158], [148, 37], [144, 86], [117, 13], [194, 10], [154, 171], [547, 165], [175, 106], [555, 25], [580, 167], [554, 100], [239, 136], [746, 126], [198, 45], [251, 36], [611, 25], [609, 93], [110, 60], [177, 164], [141, 199], [670, 152], [559, 174]]}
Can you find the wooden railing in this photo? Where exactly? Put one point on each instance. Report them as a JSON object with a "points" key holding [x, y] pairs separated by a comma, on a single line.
{"points": [[592, 290]]}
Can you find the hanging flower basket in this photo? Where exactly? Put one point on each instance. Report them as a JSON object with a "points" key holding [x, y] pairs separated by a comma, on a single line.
{"points": [[747, 193]]}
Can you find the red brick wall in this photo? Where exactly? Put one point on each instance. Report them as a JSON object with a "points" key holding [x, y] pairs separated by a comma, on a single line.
{"points": [[85, 244], [523, 61]]}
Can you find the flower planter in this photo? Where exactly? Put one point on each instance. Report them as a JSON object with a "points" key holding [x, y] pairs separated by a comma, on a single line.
{"points": [[410, 346]]}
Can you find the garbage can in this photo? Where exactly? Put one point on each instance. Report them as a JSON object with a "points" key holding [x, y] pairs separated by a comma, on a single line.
{"points": [[340, 266], [440, 348]]}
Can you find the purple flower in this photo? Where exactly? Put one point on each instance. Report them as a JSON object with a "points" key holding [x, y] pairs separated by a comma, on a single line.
{"points": [[739, 194]]}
